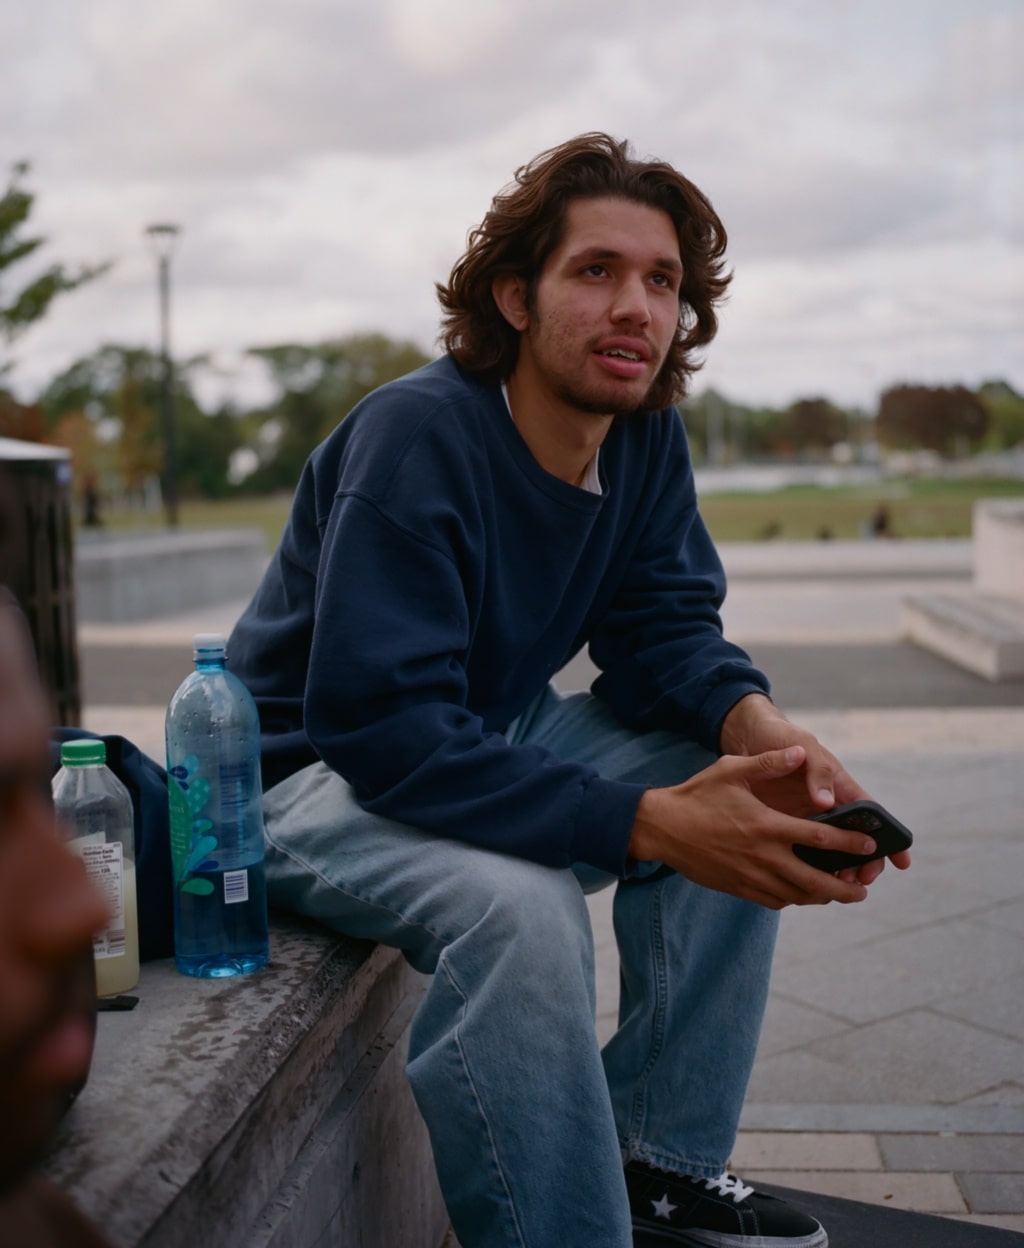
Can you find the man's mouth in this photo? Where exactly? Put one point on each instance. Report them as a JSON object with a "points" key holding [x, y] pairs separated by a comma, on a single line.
{"points": [[622, 354], [623, 360]]}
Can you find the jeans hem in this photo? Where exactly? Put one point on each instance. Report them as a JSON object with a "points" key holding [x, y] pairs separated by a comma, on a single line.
{"points": [[693, 1169]]}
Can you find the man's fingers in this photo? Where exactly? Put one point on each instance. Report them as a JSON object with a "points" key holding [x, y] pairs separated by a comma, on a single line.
{"points": [[774, 763], [823, 777]]}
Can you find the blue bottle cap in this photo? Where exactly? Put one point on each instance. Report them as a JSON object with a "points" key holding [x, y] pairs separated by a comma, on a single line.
{"points": [[208, 645]]}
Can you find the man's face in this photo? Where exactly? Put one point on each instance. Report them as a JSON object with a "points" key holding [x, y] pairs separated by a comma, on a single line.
{"points": [[48, 912], [605, 308]]}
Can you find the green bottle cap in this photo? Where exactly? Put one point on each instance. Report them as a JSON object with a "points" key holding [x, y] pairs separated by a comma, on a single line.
{"points": [[83, 752]]}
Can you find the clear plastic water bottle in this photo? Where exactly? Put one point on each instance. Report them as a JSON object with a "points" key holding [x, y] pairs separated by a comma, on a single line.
{"points": [[98, 819], [216, 814]]}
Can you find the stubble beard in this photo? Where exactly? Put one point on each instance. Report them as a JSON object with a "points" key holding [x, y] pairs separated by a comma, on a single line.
{"points": [[596, 401]]}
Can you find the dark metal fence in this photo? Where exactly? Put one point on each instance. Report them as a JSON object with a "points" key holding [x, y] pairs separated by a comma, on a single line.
{"points": [[39, 563]]}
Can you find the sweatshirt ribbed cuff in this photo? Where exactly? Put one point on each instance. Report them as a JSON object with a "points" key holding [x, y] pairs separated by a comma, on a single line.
{"points": [[718, 704], [604, 824]]}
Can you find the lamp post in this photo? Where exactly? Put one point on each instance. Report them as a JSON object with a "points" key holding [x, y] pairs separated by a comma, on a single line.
{"points": [[164, 238]]}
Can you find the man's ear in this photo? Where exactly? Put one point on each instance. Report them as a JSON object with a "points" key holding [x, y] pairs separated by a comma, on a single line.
{"points": [[509, 292]]}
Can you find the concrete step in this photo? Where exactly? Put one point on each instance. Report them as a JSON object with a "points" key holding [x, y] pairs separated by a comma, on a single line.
{"points": [[981, 632]]}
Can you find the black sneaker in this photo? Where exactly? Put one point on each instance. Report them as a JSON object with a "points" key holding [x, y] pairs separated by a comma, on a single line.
{"points": [[714, 1213]]}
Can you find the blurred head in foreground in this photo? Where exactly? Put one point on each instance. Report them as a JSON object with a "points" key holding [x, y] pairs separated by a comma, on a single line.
{"points": [[48, 911]]}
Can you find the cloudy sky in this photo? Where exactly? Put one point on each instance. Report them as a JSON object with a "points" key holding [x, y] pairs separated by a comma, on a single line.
{"points": [[325, 159]]}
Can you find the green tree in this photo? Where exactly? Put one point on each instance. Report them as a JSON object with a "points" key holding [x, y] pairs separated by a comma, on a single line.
{"points": [[23, 305], [88, 385], [123, 384], [721, 431], [724, 432], [1005, 409], [206, 443], [318, 385], [140, 451]]}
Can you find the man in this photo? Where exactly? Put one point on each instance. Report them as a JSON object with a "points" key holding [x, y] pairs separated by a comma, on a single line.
{"points": [[461, 535], [48, 913]]}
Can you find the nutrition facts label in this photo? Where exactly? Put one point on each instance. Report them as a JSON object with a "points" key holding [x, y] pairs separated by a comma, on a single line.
{"points": [[106, 870]]}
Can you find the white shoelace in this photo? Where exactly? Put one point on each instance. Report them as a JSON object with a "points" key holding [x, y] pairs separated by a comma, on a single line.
{"points": [[729, 1185]]}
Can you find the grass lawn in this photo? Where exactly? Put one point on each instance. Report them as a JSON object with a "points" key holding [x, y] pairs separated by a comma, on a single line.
{"points": [[917, 508], [268, 514]]}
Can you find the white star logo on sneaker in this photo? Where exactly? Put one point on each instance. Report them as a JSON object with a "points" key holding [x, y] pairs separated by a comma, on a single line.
{"points": [[663, 1209]]}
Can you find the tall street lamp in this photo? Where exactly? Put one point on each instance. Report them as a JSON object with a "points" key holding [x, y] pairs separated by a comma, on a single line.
{"points": [[164, 238]]}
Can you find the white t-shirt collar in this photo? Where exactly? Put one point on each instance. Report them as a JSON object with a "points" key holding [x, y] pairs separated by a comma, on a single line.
{"points": [[592, 480]]}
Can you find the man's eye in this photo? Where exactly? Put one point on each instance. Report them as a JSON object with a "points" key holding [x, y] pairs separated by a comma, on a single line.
{"points": [[595, 270]]}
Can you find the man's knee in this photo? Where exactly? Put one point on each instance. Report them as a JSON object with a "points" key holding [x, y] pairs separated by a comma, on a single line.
{"points": [[521, 900]]}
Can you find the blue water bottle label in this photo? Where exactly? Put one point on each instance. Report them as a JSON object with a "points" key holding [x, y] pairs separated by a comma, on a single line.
{"points": [[191, 839]]}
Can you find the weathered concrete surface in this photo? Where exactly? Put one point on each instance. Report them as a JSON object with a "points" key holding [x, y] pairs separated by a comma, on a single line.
{"points": [[258, 1110], [353, 1182], [143, 576]]}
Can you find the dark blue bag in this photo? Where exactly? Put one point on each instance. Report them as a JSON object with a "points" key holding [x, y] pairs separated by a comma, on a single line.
{"points": [[146, 781]]}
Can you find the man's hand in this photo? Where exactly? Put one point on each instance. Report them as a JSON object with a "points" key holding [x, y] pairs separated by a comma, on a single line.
{"points": [[756, 725], [716, 831]]}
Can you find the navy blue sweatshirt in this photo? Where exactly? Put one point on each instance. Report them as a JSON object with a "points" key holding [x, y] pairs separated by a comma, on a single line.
{"points": [[432, 578]]}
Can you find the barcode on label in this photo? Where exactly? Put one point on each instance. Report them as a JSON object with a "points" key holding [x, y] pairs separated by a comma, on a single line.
{"points": [[236, 887]]}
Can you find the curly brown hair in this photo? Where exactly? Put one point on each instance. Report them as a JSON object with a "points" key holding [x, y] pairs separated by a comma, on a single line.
{"points": [[526, 223]]}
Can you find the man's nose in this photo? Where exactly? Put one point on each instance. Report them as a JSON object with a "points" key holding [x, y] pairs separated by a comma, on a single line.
{"points": [[631, 302]]}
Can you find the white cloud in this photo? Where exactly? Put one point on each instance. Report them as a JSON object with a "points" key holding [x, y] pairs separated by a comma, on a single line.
{"points": [[326, 159]]}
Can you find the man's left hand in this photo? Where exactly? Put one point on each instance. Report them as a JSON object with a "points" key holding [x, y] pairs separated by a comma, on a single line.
{"points": [[756, 725]]}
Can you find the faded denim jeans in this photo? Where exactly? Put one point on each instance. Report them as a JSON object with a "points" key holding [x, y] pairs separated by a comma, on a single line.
{"points": [[529, 1119]]}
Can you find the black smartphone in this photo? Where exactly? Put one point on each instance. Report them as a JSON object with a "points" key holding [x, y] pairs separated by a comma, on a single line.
{"points": [[889, 834]]}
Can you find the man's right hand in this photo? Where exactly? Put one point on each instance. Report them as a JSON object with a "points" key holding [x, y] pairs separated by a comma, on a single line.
{"points": [[715, 832]]}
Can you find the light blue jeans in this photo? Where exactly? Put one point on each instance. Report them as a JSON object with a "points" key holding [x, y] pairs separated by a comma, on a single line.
{"points": [[529, 1119]]}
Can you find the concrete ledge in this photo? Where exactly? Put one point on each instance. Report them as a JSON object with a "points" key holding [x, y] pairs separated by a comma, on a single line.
{"points": [[268, 1111], [981, 632], [126, 577], [999, 546]]}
